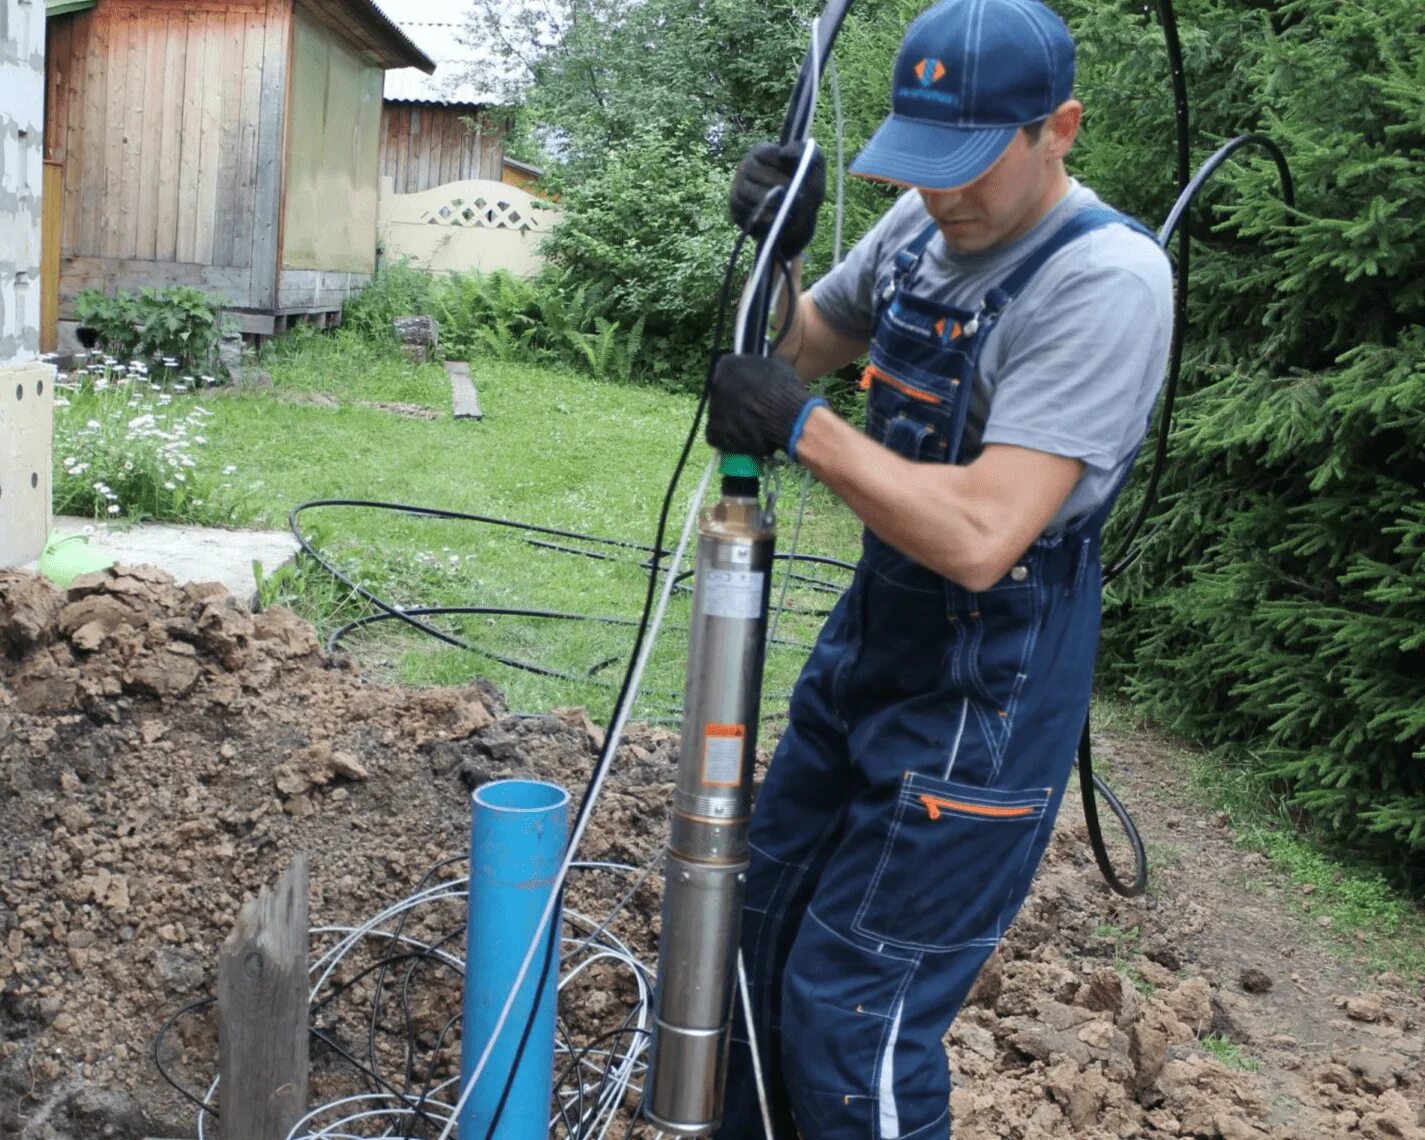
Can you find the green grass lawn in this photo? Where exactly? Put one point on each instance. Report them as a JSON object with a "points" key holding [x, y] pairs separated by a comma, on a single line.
{"points": [[555, 449]]}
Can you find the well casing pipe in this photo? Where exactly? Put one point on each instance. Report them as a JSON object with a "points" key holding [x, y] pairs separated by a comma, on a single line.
{"points": [[518, 830], [706, 867]]}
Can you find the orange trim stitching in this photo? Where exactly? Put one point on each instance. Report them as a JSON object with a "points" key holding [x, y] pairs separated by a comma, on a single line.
{"points": [[873, 373], [933, 804]]}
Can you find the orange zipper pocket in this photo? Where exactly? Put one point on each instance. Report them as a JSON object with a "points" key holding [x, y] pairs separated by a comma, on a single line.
{"points": [[935, 804], [873, 373]]}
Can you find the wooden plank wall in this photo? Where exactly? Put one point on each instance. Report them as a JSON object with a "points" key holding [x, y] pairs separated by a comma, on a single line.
{"points": [[331, 193], [167, 118], [424, 145]]}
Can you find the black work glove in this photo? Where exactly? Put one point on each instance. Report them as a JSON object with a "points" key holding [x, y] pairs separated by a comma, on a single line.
{"points": [[757, 404], [758, 187]]}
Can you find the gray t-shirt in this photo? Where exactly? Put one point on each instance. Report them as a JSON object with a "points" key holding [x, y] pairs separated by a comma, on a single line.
{"points": [[1074, 363]]}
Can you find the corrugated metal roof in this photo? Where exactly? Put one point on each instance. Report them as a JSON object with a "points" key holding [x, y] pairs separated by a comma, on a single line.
{"points": [[441, 28], [391, 44], [60, 7], [402, 49]]}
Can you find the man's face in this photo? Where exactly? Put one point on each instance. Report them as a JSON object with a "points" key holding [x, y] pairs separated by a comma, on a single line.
{"points": [[1001, 204]]}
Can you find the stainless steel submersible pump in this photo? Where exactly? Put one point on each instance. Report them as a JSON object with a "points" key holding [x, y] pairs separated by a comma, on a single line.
{"points": [[706, 867]]}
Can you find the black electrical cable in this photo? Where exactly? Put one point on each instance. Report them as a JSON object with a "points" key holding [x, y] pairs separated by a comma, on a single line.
{"points": [[451, 1022], [407, 1020], [789, 290], [1177, 223], [411, 615], [370, 1070], [562, 1032], [396, 941], [606, 753], [377, 1080], [1090, 782], [796, 125], [1092, 785], [383, 963], [549, 958], [623, 1031], [203, 1106]]}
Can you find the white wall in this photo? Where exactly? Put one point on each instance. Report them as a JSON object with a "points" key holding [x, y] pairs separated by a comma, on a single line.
{"points": [[26, 386], [460, 226]]}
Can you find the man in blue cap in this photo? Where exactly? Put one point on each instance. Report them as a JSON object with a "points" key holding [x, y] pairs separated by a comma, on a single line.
{"points": [[1017, 331]]}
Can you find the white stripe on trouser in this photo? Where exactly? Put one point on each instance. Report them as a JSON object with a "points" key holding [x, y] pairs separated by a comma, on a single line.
{"points": [[886, 1090], [959, 732]]}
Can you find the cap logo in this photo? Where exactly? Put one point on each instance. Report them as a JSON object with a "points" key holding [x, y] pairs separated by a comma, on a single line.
{"points": [[929, 70]]}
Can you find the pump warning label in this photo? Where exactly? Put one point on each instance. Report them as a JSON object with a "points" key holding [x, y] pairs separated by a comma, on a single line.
{"points": [[732, 593], [722, 754]]}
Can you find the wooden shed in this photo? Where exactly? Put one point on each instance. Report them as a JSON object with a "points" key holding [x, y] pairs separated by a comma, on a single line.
{"points": [[440, 126], [427, 143], [231, 145]]}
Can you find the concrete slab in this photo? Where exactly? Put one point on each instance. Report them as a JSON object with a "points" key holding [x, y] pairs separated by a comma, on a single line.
{"points": [[190, 553]]}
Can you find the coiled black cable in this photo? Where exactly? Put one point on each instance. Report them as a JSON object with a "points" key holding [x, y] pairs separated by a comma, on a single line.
{"points": [[1091, 785]]}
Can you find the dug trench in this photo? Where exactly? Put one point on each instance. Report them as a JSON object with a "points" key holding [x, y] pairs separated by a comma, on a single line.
{"points": [[164, 753]]}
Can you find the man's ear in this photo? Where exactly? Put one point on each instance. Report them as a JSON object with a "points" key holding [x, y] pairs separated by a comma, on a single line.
{"points": [[1062, 127]]}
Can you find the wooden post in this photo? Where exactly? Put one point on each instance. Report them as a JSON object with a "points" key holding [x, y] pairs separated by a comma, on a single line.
{"points": [[262, 1013], [51, 219]]}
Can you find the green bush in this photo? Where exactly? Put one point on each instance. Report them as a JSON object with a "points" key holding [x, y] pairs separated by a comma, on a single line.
{"points": [[1278, 611], [648, 135], [648, 230], [550, 319], [397, 290], [171, 331]]}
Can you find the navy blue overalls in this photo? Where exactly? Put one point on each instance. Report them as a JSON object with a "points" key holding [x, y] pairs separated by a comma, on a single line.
{"points": [[908, 804]]}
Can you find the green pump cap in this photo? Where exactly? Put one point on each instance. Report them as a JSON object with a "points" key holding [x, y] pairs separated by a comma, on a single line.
{"points": [[740, 466]]}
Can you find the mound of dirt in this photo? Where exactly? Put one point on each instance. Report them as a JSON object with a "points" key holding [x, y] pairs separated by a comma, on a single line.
{"points": [[164, 753]]}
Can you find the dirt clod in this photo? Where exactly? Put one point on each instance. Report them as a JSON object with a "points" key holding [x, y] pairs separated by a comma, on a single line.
{"points": [[164, 753]]}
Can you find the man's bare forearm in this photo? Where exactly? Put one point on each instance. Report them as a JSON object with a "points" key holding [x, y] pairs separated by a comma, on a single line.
{"points": [[812, 345], [968, 524]]}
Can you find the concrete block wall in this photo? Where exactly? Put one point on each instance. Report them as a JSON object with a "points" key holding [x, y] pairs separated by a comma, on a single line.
{"points": [[22, 79], [26, 447], [26, 385]]}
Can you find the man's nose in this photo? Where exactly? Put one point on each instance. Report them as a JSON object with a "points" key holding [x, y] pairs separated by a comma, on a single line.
{"points": [[937, 201]]}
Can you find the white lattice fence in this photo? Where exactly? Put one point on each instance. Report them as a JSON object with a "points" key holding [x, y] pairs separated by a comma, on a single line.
{"points": [[475, 224]]}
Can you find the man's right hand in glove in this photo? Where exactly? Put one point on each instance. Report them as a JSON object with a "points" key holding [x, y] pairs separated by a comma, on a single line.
{"points": [[758, 188], [757, 404]]}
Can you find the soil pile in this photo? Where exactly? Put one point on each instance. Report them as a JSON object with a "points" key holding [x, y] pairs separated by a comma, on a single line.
{"points": [[164, 754]]}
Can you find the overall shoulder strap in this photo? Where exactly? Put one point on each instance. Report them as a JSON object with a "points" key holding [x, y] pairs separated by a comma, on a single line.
{"points": [[1085, 221], [908, 259], [906, 262]]}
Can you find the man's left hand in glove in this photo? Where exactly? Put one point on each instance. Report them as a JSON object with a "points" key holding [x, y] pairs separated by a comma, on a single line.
{"points": [[757, 404]]}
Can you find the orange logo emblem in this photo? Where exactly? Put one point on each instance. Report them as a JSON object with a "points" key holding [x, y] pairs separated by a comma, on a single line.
{"points": [[947, 331], [929, 71]]}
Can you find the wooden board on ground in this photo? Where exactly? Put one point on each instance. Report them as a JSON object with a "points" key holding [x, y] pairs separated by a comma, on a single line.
{"points": [[463, 396]]}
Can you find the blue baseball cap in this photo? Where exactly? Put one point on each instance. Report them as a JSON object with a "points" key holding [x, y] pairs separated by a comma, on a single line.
{"points": [[968, 75]]}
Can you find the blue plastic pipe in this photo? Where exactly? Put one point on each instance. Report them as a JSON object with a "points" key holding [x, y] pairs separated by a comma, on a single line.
{"points": [[517, 835]]}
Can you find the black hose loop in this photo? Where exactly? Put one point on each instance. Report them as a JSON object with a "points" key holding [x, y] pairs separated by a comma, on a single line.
{"points": [[1091, 786]]}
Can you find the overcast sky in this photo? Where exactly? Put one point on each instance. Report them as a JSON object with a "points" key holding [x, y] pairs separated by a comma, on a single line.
{"points": [[439, 28]]}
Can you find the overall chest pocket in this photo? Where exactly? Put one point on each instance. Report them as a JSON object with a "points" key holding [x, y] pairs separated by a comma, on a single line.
{"points": [[907, 418]]}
